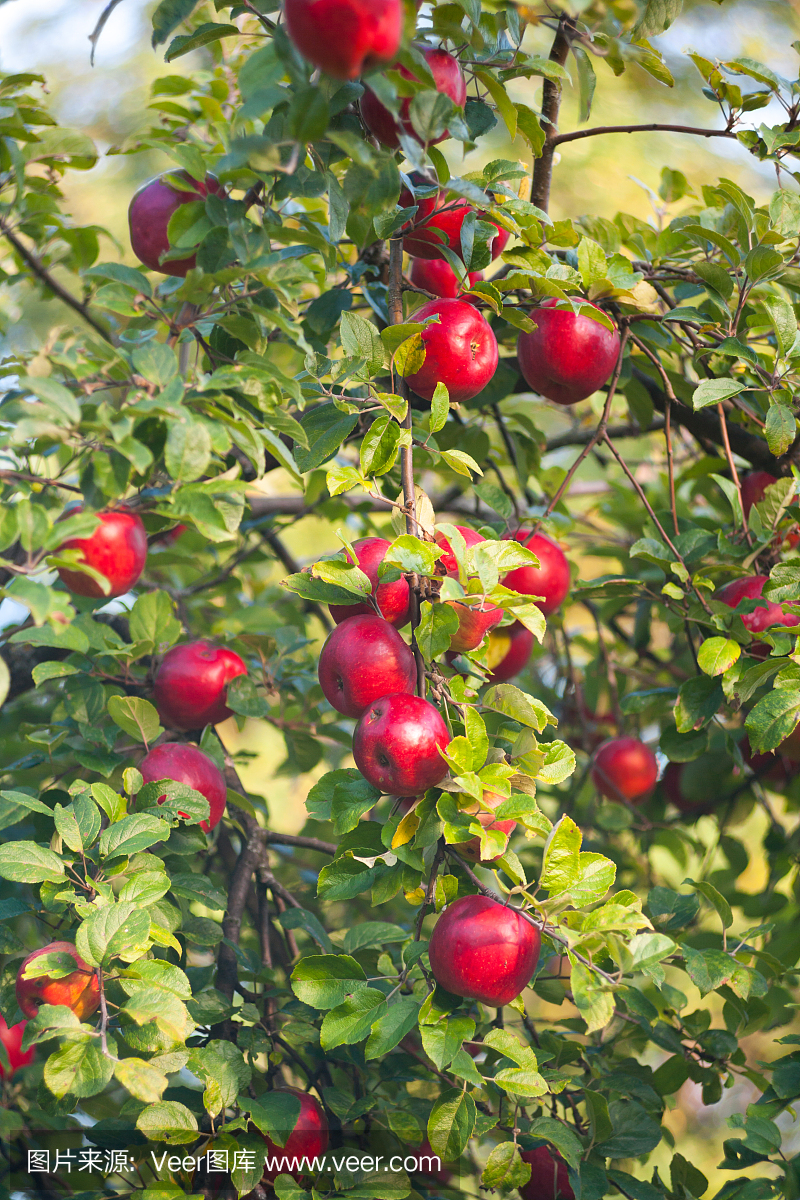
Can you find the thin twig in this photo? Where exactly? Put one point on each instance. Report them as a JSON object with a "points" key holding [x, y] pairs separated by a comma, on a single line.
{"points": [[579, 134], [42, 273]]}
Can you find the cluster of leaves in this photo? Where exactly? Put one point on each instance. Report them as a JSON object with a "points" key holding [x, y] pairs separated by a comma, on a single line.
{"points": [[277, 354]]}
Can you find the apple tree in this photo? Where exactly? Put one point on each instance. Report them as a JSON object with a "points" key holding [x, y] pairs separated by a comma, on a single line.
{"points": [[513, 931]]}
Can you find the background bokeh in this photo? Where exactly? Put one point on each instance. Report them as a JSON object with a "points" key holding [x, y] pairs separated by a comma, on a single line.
{"points": [[598, 175]]}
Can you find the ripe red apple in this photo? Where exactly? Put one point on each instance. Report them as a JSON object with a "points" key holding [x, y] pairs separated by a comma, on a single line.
{"points": [[550, 580], [12, 1040], [117, 549], [443, 217], [183, 763], [474, 622], [509, 652], [624, 769], [438, 277], [460, 351], [483, 950], [79, 990], [767, 615], [149, 215], [425, 1152], [363, 659], [308, 1139], [396, 745], [191, 684], [549, 1176], [448, 78], [394, 599], [471, 849], [567, 357], [345, 38]]}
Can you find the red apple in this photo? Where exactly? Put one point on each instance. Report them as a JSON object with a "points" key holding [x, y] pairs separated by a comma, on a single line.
{"points": [[394, 599], [363, 659], [191, 684], [79, 990], [345, 38], [117, 549], [308, 1140], [396, 745], [483, 950], [438, 277], [426, 1165], [767, 615], [471, 849], [460, 351], [549, 1176], [448, 78], [183, 763], [444, 217], [474, 622], [12, 1040], [567, 357], [509, 652], [624, 769], [550, 580], [149, 215]]}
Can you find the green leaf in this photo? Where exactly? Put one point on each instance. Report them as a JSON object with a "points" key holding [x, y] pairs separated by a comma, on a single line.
{"points": [[561, 860], [461, 462], [587, 81], [326, 429], [772, 719], [529, 125], [699, 699], [635, 1132], [143, 1081], [501, 98], [717, 654], [80, 1068], [442, 1041], [708, 969], [451, 1123], [111, 932], [360, 339], [784, 322], [136, 717], [438, 624], [350, 1022], [188, 450], [781, 428], [440, 407], [301, 918], [210, 31], [168, 1121], [712, 391], [561, 1136], [505, 1168], [655, 17], [152, 619], [716, 899], [27, 862], [323, 981], [518, 705], [390, 1028], [131, 834], [193, 886], [594, 1004]]}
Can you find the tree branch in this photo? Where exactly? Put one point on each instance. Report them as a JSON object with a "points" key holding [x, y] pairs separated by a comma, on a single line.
{"points": [[305, 843], [551, 103], [42, 273], [579, 134]]}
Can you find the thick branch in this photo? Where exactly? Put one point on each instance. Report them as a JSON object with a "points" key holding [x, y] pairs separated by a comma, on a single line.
{"points": [[578, 134], [305, 843], [42, 273], [551, 102]]}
